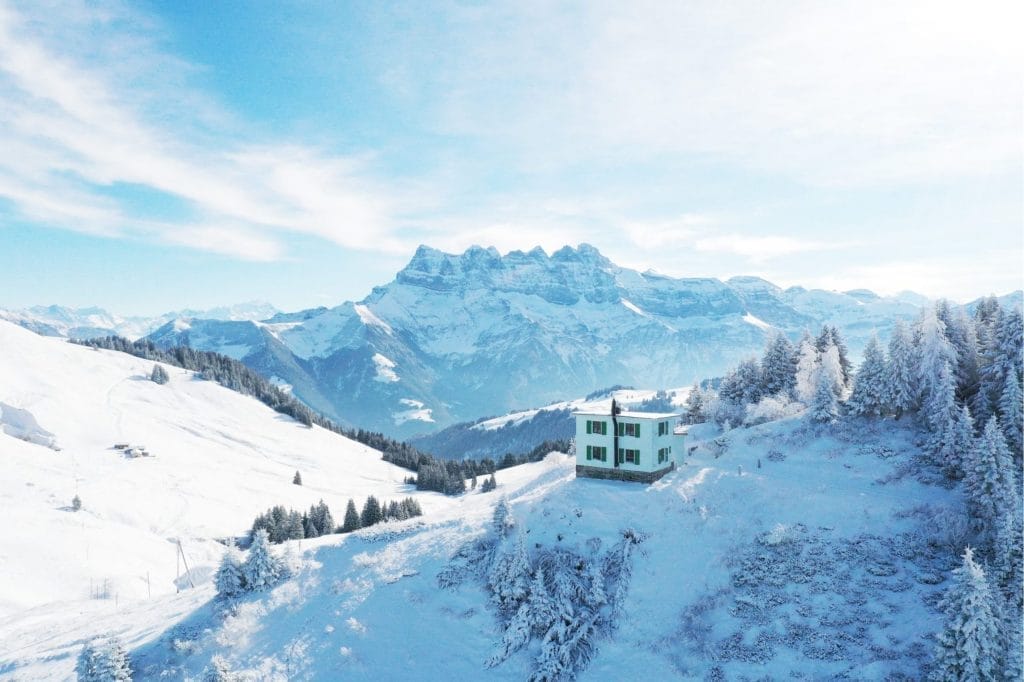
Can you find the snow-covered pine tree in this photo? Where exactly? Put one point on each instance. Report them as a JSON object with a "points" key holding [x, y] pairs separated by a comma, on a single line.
{"points": [[502, 520], [1008, 558], [844, 354], [962, 337], [989, 479], [970, 645], [961, 442], [778, 366], [261, 569], [1011, 411], [806, 371], [695, 405], [159, 374], [352, 521], [934, 353], [372, 512], [76, 503], [297, 479], [509, 578], [824, 408], [869, 389], [941, 415], [901, 392], [103, 661], [228, 579]]}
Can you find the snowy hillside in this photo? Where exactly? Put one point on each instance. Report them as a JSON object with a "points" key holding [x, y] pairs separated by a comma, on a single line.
{"points": [[819, 563], [456, 337], [217, 459]]}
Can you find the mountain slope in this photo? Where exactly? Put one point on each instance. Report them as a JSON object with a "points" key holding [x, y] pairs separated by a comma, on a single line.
{"points": [[218, 459], [457, 337], [825, 561]]}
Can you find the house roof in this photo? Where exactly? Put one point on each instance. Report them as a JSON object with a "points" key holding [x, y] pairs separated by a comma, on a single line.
{"points": [[653, 416]]}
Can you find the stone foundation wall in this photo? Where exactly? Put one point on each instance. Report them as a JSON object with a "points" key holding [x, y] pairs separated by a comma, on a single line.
{"points": [[621, 474]]}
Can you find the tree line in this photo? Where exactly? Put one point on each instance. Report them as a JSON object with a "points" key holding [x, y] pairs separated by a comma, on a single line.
{"points": [[281, 524]]}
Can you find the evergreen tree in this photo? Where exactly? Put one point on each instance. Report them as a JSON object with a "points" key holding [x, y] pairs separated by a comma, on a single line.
{"points": [[371, 512], [957, 451], [76, 503], [869, 389], [489, 484], [352, 521], [509, 578], [989, 479], [970, 645], [806, 372], [261, 569], [297, 479], [942, 417], [962, 337], [695, 405], [103, 662], [778, 366], [294, 529], [228, 580], [1008, 557], [901, 392], [824, 408], [934, 355], [159, 375], [502, 520], [1010, 411]]}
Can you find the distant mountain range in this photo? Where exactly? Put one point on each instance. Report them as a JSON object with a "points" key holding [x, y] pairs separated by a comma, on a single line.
{"points": [[456, 337], [88, 323]]}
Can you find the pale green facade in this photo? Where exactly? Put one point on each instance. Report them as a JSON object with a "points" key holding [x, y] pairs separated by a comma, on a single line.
{"points": [[647, 445]]}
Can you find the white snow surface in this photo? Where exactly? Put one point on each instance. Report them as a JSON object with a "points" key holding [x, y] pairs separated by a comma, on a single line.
{"points": [[415, 411], [756, 321], [368, 317], [368, 607], [385, 368], [218, 459]]}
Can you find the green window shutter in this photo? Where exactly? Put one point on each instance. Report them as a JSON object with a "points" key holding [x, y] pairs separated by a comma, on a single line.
{"points": [[637, 430], [589, 452], [622, 429], [636, 457], [588, 426]]}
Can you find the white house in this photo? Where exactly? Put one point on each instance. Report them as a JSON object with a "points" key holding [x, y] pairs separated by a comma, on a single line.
{"points": [[631, 446]]}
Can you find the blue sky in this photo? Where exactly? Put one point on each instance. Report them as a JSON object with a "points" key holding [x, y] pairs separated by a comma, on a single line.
{"points": [[163, 155]]}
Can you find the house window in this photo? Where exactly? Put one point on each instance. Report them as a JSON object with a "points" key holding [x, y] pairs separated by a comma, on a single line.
{"points": [[663, 454], [627, 455], [598, 452], [597, 426], [629, 429], [663, 428]]}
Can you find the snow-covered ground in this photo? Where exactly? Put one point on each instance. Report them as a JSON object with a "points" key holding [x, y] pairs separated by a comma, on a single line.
{"points": [[217, 460], [779, 550]]}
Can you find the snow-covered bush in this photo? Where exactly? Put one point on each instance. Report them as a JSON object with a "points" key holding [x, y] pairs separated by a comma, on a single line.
{"points": [[103, 661], [772, 408]]}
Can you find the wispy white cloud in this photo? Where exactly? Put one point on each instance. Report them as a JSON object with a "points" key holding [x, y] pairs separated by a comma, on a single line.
{"points": [[761, 248], [74, 125]]}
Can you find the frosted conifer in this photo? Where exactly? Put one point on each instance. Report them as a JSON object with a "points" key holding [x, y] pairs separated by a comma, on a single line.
{"points": [[509, 578], [806, 372], [502, 521], [1010, 410], [989, 479], [970, 645], [261, 569], [901, 393], [869, 388], [103, 662], [352, 521], [228, 580]]}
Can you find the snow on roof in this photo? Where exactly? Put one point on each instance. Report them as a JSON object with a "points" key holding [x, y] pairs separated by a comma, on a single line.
{"points": [[629, 415]]}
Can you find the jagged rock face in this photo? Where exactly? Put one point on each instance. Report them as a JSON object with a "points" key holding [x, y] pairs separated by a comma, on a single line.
{"points": [[456, 337]]}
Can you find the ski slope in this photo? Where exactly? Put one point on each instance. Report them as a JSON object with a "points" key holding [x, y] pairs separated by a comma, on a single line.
{"points": [[218, 459]]}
